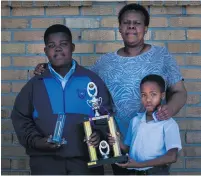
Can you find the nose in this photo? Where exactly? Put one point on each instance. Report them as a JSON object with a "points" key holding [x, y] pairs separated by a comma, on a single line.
{"points": [[58, 49], [148, 98], [131, 26]]}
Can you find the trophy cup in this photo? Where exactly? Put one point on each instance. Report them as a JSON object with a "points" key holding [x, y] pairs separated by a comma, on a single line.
{"points": [[105, 154], [58, 131]]}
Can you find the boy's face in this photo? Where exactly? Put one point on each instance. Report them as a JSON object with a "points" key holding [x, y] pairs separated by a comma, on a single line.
{"points": [[59, 49], [151, 95], [132, 27]]}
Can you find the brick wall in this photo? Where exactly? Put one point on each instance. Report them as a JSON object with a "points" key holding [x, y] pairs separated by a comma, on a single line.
{"points": [[176, 25]]}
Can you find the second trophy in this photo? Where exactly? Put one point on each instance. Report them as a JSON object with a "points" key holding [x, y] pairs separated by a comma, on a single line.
{"points": [[104, 154]]}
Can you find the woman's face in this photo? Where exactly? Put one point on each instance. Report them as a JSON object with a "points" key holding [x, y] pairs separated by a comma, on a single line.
{"points": [[132, 28]]}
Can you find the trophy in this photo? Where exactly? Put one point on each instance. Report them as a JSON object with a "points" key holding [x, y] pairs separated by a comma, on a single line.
{"points": [[58, 131], [104, 154]]}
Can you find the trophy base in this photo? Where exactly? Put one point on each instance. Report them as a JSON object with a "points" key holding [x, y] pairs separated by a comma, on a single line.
{"points": [[118, 159], [57, 143]]}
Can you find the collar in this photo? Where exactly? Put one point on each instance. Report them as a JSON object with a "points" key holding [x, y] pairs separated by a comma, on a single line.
{"points": [[142, 116], [72, 69]]}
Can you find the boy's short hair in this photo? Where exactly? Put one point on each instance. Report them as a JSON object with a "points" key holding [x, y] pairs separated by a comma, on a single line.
{"points": [[137, 8], [154, 78], [56, 28]]}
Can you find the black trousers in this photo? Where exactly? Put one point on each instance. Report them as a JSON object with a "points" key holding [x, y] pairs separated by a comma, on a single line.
{"points": [[53, 165], [119, 170], [159, 170]]}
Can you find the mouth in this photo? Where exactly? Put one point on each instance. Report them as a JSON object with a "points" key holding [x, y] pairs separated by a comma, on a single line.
{"points": [[58, 55]]}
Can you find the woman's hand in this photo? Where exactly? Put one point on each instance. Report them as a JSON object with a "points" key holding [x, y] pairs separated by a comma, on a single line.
{"points": [[112, 140], [164, 112], [40, 68]]}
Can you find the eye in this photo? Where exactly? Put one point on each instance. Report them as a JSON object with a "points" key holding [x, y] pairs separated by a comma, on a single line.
{"points": [[64, 44], [51, 45], [153, 94], [143, 95]]}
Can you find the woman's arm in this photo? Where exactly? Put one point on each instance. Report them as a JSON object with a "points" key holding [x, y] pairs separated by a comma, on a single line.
{"points": [[176, 98]]}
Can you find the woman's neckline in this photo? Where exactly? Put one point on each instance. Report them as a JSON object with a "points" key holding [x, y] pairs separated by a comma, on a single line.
{"points": [[129, 57]]}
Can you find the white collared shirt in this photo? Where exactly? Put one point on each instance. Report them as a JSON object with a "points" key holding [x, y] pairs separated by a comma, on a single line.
{"points": [[64, 79], [149, 140]]}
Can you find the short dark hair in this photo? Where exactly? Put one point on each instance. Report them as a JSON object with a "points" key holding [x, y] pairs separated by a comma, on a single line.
{"points": [[154, 78], [56, 28], [137, 8]]}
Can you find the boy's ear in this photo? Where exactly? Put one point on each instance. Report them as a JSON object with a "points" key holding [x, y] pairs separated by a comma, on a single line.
{"points": [[163, 96], [45, 50], [73, 47]]}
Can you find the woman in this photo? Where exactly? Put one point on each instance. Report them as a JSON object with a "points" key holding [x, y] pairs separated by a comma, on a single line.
{"points": [[123, 70]]}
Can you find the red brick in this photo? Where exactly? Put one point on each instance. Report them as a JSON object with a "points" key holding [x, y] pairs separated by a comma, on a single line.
{"points": [[28, 61], [16, 87], [194, 35], [193, 163], [98, 35], [12, 151], [84, 48], [5, 87], [158, 22], [193, 137], [6, 125], [15, 139], [12, 48], [181, 113], [5, 11], [193, 10], [193, 86], [14, 23], [184, 47], [7, 100], [109, 22], [179, 164], [165, 10], [29, 36], [51, 11], [169, 35], [180, 60], [107, 47], [20, 164], [45, 22], [14, 74], [35, 48], [97, 10], [5, 163], [191, 151], [27, 11], [193, 60], [5, 61], [193, 99], [6, 138], [193, 111], [185, 22], [82, 22], [5, 113], [5, 36], [88, 60], [191, 73], [189, 124]]}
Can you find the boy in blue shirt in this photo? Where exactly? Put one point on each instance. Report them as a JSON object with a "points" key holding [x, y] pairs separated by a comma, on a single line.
{"points": [[153, 145]]}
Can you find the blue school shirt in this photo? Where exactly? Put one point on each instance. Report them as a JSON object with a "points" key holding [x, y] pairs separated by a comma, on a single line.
{"points": [[122, 76], [150, 140]]}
